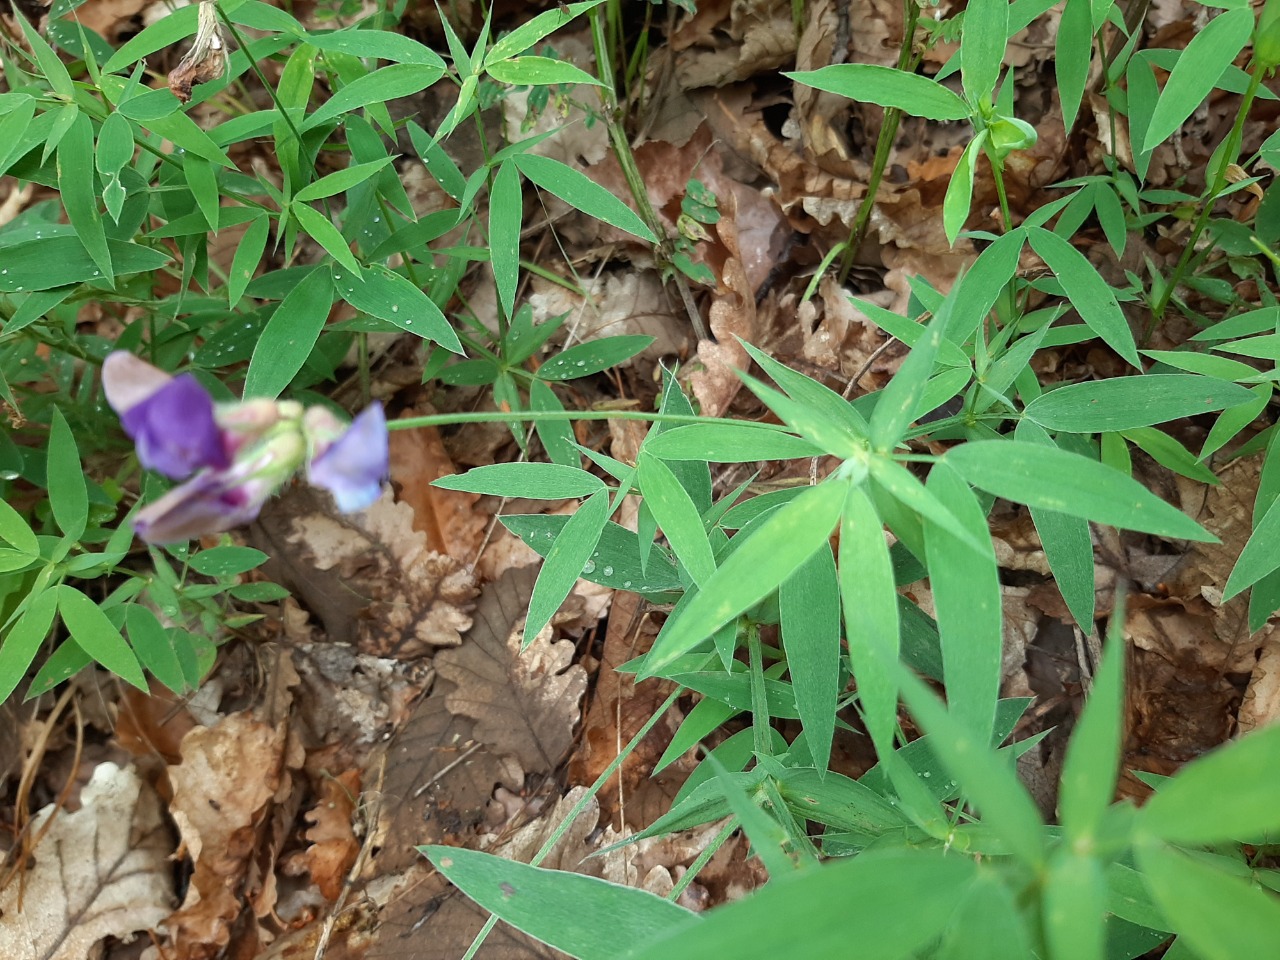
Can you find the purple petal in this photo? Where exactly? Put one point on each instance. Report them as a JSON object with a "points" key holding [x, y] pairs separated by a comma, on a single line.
{"points": [[354, 467], [127, 381], [174, 430], [209, 502]]}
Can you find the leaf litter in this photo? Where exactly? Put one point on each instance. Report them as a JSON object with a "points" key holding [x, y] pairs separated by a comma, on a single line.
{"points": [[387, 705]]}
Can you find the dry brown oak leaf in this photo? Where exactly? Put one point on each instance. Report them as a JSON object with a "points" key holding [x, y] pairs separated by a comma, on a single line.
{"points": [[525, 704], [102, 871]]}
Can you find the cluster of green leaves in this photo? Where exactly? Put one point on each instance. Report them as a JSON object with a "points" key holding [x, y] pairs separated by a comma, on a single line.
{"points": [[145, 192], [942, 851]]}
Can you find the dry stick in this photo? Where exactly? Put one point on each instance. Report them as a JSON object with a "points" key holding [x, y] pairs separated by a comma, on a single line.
{"points": [[371, 820], [578, 807]]}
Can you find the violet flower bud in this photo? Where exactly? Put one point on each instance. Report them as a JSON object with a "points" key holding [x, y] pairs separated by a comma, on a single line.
{"points": [[170, 419], [353, 466]]}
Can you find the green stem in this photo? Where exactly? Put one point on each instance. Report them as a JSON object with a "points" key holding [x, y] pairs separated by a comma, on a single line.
{"points": [[1232, 148], [497, 416], [581, 805], [703, 858], [253, 65], [907, 61], [627, 161]]}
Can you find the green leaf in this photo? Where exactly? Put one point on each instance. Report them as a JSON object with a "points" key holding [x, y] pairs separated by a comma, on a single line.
{"points": [[584, 359], [340, 181], [987, 924], [538, 71], [1069, 483], [1087, 291], [677, 516], [1168, 452], [870, 599], [53, 262], [247, 257], [811, 914], [988, 780], [986, 27], [582, 193], [290, 335], [1197, 72], [321, 229], [227, 561], [813, 423], [68, 492], [1074, 906], [389, 83], [1221, 916], [506, 215], [203, 183], [96, 636], [775, 548], [1230, 783], [1123, 403], [556, 435], [533, 481], [810, 393], [809, 608], [1073, 51], [382, 44], [1067, 545], [1092, 763], [385, 294], [22, 642], [959, 195], [16, 531], [76, 186], [982, 285], [1261, 555], [901, 484], [568, 911], [115, 144], [155, 647], [899, 401], [967, 601], [50, 64], [729, 441], [527, 34], [564, 564], [887, 86]]}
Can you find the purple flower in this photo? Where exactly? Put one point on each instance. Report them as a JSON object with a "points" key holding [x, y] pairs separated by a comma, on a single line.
{"points": [[239, 453], [353, 466], [170, 419]]}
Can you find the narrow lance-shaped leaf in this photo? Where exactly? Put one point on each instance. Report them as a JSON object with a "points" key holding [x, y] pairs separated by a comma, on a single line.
{"points": [[569, 555], [1067, 544], [775, 548], [582, 193], [982, 42], [1087, 291], [967, 600], [1069, 483], [290, 335], [506, 213], [959, 196], [888, 87], [809, 608], [870, 615], [1197, 71]]}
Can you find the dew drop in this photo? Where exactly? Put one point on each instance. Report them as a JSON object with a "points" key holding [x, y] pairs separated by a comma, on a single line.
{"points": [[4, 271], [589, 567], [395, 308], [608, 571], [626, 584]]}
